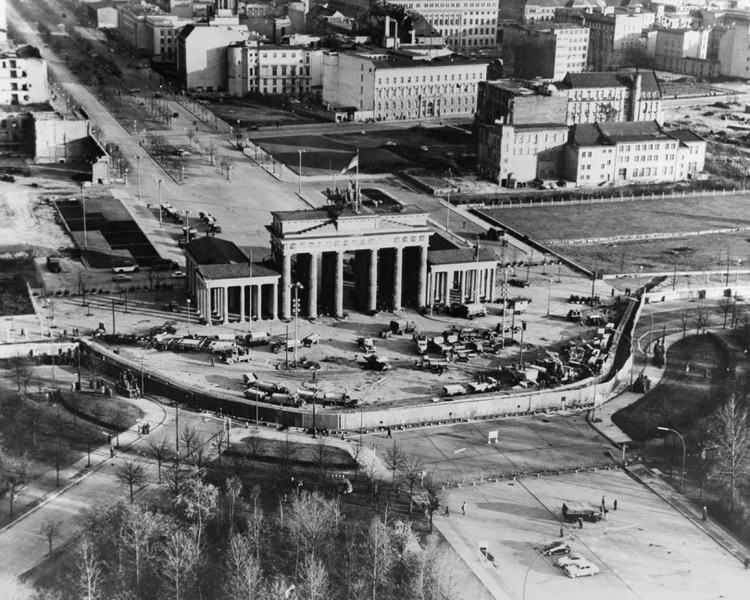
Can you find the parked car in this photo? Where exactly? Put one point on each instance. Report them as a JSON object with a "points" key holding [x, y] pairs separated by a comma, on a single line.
{"points": [[125, 266], [580, 570], [164, 264], [557, 547], [570, 559], [121, 278], [178, 275], [522, 283]]}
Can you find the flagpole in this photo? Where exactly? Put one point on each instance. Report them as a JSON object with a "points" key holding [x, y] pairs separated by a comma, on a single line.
{"points": [[356, 184]]}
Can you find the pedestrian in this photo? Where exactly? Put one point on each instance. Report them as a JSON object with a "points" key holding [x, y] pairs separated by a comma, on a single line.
{"points": [[705, 513], [614, 504], [580, 523], [212, 361], [562, 533], [447, 511], [463, 508], [109, 438], [604, 505], [388, 430], [111, 452], [687, 368]]}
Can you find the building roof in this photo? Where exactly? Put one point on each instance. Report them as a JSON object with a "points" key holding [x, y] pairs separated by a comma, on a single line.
{"points": [[442, 61], [460, 256], [685, 135], [235, 271], [603, 134], [215, 251], [611, 79], [368, 209]]}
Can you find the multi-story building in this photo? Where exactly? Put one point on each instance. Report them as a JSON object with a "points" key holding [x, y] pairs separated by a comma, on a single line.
{"points": [[673, 45], [612, 96], [202, 55], [522, 132], [544, 50], [530, 11], [131, 26], [161, 38], [267, 69], [602, 153], [613, 36], [466, 25], [380, 84], [23, 76], [734, 51], [103, 14]]}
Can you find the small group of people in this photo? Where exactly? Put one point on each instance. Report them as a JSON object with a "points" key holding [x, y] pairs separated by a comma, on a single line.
{"points": [[144, 429]]}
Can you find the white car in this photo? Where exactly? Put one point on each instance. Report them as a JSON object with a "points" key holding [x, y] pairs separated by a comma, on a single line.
{"points": [[178, 275], [571, 559], [580, 570]]}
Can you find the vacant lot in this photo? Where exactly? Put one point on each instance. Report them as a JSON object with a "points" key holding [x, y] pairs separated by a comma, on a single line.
{"points": [[683, 219]]}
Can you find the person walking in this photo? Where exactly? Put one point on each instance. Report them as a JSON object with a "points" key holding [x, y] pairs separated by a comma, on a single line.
{"points": [[447, 511], [463, 508], [614, 504], [388, 432]]}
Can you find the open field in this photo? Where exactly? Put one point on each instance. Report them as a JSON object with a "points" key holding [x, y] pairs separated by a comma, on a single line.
{"points": [[680, 218]]}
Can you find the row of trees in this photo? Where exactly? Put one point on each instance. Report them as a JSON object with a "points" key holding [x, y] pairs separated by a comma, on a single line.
{"points": [[222, 542]]}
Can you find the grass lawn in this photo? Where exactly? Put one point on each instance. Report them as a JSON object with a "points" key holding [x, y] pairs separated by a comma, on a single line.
{"points": [[681, 399], [673, 216]]}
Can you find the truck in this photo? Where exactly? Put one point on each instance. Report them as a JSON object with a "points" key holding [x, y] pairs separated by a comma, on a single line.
{"points": [[469, 311], [285, 345], [255, 338], [572, 511], [401, 326], [53, 264]]}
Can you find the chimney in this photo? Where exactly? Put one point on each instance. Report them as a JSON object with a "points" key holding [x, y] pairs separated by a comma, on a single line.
{"points": [[635, 97]]}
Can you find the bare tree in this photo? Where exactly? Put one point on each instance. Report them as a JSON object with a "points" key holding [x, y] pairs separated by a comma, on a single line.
{"points": [[89, 571], [684, 320], [179, 558], [51, 529], [120, 421], [411, 473], [219, 443], [15, 472], [131, 474], [212, 152], [731, 467], [243, 575], [315, 585], [323, 454], [701, 318], [189, 437], [256, 447], [723, 308], [160, 451], [394, 458], [94, 366], [378, 551], [433, 496], [232, 491], [21, 371]]}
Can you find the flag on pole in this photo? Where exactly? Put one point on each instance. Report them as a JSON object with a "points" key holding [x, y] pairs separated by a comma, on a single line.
{"points": [[354, 162]]}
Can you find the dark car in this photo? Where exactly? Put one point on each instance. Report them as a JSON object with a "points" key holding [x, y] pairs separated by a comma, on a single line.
{"points": [[164, 264], [522, 283]]}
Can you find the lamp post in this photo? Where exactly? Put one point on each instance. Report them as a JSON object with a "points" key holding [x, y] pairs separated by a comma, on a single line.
{"points": [[549, 294], [531, 566], [159, 182], [188, 314], [85, 236], [187, 226], [640, 273], [448, 207], [737, 276], [296, 287], [299, 186], [682, 440], [138, 174]]}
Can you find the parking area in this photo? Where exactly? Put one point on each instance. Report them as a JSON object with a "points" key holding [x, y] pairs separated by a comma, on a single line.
{"points": [[644, 549]]}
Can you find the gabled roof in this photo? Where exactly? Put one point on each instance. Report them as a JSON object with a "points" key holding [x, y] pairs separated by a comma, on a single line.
{"points": [[460, 256], [235, 271], [603, 134], [215, 251], [685, 135], [611, 79]]}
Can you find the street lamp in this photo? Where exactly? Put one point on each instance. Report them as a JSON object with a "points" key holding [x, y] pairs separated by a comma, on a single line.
{"points": [[682, 440], [549, 293], [448, 207], [138, 174], [531, 566], [296, 287], [85, 237], [188, 313], [299, 187], [159, 182], [737, 277]]}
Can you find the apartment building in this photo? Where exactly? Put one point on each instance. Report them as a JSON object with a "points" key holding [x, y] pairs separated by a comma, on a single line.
{"points": [[23, 76], [602, 153], [132, 29], [612, 36], [611, 96], [268, 69], [734, 51], [376, 83], [161, 37], [202, 55], [672, 45], [466, 25], [530, 11], [544, 50]]}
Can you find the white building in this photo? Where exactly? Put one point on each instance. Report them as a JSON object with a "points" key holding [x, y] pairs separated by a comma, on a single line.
{"points": [[374, 83], [734, 51], [544, 50], [465, 24], [601, 153], [267, 69], [672, 45], [23, 77], [161, 36], [202, 55]]}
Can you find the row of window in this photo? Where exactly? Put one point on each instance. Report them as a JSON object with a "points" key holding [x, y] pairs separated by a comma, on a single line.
{"points": [[433, 78], [432, 90]]}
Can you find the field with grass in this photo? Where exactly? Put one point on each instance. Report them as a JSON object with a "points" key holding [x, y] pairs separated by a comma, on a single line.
{"points": [[696, 230]]}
